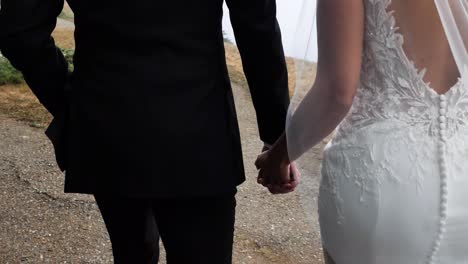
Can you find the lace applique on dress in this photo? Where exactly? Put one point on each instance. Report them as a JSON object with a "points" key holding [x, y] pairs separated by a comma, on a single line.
{"points": [[392, 89], [400, 136]]}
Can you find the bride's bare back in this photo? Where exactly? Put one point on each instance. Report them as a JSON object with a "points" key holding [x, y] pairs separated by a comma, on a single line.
{"points": [[426, 43]]}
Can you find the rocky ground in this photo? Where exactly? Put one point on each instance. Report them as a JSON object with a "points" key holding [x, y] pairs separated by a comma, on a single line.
{"points": [[40, 224]]}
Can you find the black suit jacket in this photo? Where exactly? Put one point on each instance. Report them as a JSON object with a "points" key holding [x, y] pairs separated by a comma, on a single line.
{"points": [[148, 110]]}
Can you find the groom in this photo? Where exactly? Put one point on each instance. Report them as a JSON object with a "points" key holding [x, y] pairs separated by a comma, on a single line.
{"points": [[146, 122]]}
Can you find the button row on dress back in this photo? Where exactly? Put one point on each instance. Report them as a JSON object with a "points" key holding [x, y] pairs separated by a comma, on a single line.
{"points": [[443, 178]]}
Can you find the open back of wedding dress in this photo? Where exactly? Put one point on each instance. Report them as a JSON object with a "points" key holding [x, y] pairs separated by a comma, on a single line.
{"points": [[394, 186]]}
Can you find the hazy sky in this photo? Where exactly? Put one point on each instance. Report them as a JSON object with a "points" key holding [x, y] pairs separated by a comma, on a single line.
{"points": [[295, 18]]}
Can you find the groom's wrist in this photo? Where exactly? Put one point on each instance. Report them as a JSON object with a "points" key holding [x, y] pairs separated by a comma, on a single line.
{"points": [[267, 145], [280, 151]]}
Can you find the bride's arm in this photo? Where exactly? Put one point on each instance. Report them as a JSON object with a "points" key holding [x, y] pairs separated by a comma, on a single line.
{"points": [[340, 27], [340, 42]]}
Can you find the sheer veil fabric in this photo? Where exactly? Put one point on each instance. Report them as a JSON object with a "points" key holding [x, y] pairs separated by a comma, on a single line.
{"points": [[454, 17], [305, 61], [305, 58]]}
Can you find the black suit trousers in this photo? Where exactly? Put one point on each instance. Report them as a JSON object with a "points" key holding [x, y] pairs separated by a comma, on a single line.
{"points": [[194, 230]]}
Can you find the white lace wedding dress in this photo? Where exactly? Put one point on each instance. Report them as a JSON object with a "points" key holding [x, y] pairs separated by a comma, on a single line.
{"points": [[395, 177]]}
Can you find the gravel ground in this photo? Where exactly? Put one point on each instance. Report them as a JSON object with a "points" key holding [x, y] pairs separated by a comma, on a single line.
{"points": [[41, 224]]}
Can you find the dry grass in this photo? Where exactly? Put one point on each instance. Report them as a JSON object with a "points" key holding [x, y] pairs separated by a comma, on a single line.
{"points": [[67, 13], [306, 78], [64, 38], [234, 64], [64, 35], [18, 102], [236, 72]]}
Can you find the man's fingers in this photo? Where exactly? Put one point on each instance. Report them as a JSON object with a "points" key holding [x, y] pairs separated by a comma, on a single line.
{"points": [[274, 189], [260, 161], [261, 179], [279, 180], [280, 189]]}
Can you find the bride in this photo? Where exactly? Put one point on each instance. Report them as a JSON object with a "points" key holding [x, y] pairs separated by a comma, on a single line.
{"points": [[394, 186]]}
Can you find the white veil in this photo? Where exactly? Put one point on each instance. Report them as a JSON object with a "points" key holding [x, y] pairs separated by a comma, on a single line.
{"points": [[454, 16], [305, 55], [305, 58]]}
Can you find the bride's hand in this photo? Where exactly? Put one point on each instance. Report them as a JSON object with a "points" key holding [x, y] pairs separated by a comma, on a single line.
{"points": [[276, 172]]}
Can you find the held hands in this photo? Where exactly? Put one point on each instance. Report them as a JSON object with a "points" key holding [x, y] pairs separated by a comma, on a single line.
{"points": [[276, 172]]}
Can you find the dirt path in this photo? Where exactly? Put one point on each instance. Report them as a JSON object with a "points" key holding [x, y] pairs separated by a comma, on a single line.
{"points": [[40, 224]]}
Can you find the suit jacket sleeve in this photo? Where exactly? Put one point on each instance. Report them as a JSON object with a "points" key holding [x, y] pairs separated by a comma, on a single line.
{"points": [[25, 39], [258, 37]]}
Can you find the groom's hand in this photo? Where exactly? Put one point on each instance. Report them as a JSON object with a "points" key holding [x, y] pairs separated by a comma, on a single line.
{"points": [[290, 186], [266, 148], [278, 177]]}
